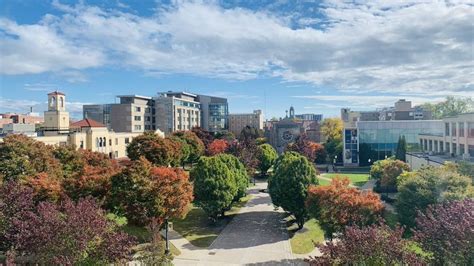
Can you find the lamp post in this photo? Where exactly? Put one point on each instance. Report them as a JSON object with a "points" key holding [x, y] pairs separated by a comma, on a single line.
{"points": [[167, 246]]}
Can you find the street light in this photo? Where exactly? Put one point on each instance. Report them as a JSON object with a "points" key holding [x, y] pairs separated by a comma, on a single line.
{"points": [[167, 247]]}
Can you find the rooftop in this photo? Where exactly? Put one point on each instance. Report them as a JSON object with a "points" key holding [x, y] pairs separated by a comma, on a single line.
{"points": [[87, 123]]}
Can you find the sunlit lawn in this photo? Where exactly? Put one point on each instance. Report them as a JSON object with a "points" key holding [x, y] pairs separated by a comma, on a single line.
{"points": [[356, 179], [302, 241], [199, 230]]}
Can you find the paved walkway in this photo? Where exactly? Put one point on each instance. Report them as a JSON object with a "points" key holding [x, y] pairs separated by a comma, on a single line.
{"points": [[256, 236]]}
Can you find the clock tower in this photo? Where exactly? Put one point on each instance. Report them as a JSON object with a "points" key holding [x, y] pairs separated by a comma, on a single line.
{"points": [[56, 119]]}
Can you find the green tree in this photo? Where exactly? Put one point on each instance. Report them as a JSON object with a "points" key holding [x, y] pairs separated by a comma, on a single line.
{"points": [[214, 186], [401, 151], [387, 171], [267, 156], [249, 133], [429, 185], [288, 186], [239, 173], [452, 106], [195, 143], [185, 151], [157, 150]]}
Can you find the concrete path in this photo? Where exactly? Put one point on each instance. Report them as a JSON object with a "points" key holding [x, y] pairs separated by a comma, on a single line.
{"points": [[256, 236]]}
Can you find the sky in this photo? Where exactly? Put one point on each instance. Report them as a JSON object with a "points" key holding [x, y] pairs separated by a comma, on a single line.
{"points": [[318, 56]]}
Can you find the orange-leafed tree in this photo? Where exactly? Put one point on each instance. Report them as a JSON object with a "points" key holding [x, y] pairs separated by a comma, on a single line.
{"points": [[339, 205], [45, 187], [217, 146]]}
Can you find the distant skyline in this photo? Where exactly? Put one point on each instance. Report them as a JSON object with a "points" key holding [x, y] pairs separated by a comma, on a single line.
{"points": [[318, 56]]}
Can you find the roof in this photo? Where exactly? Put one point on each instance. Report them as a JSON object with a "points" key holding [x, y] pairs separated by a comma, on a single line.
{"points": [[87, 123], [56, 93], [134, 96]]}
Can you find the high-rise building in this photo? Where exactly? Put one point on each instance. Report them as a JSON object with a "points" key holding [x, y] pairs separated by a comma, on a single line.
{"points": [[133, 114], [176, 111], [214, 113], [238, 121]]}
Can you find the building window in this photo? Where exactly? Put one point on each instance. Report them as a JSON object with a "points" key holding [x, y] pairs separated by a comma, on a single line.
{"points": [[138, 118], [105, 142], [53, 101], [470, 129], [138, 109], [461, 129], [453, 129], [138, 127], [110, 142], [127, 140], [116, 141], [61, 101], [446, 131], [81, 146]]}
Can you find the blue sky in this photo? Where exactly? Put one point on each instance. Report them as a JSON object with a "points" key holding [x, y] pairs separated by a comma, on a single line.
{"points": [[318, 56]]}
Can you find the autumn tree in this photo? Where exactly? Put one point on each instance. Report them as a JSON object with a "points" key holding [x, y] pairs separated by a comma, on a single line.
{"points": [[217, 146], [339, 205], [205, 136], [386, 173], [69, 234], [371, 245], [247, 152], [429, 185], [288, 185], [142, 192], [249, 133], [447, 231], [184, 151], [308, 148], [331, 129], [214, 185], [225, 135], [267, 156], [157, 150], [196, 145]]}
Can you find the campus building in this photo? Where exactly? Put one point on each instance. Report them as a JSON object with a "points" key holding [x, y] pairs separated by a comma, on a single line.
{"points": [[238, 121], [84, 134], [214, 113], [176, 111]]}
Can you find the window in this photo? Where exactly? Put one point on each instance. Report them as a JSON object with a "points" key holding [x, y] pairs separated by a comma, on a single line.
{"points": [[148, 118], [110, 142], [138, 127], [116, 141], [446, 131], [53, 101], [470, 129], [127, 140], [105, 142], [453, 129], [461, 129], [81, 146], [138, 109], [61, 101], [138, 118]]}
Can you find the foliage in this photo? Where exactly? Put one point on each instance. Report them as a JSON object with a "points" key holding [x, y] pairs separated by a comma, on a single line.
{"points": [[288, 185], [387, 172], [217, 146], [372, 245], [184, 152], [69, 233], [215, 187], [247, 152], [157, 150], [196, 145], [466, 169], [142, 192], [429, 185], [331, 128], [22, 157], [249, 133], [333, 148], [452, 106], [447, 231], [267, 156], [225, 135], [308, 148], [238, 172], [339, 205], [400, 153], [71, 160], [204, 135]]}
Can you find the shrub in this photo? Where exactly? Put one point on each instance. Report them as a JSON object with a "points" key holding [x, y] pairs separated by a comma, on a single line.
{"points": [[267, 156]]}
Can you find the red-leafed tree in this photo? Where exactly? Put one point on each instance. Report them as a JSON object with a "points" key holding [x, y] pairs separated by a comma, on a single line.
{"points": [[217, 146], [311, 150], [372, 245], [142, 192], [447, 231], [205, 136], [339, 205]]}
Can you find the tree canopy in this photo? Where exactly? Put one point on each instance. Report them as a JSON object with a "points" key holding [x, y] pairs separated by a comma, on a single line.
{"points": [[451, 106], [288, 185], [196, 145], [267, 156], [157, 150]]}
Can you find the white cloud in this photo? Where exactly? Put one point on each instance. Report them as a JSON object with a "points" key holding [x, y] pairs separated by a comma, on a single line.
{"points": [[23, 106], [389, 46]]}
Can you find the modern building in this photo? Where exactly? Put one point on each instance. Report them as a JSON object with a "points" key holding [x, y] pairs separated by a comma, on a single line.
{"points": [[133, 114], [456, 139], [310, 117], [98, 112], [84, 134], [176, 111], [238, 121], [214, 113], [403, 110]]}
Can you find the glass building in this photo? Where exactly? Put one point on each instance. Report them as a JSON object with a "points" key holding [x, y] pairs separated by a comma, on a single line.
{"points": [[218, 114], [378, 140]]}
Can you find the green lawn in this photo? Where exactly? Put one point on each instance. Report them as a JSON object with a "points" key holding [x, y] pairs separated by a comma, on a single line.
{"points": [[324, 182], [199, 230], [302, 241], [356, 179]]}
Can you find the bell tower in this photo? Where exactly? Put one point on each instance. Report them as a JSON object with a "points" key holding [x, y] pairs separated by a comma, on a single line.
{"points": [[56, 119]]}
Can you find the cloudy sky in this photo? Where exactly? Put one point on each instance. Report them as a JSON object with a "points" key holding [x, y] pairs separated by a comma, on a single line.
{"points": [[318, 56]]}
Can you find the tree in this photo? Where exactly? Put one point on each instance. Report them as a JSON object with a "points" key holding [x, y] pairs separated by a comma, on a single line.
{"points": [[196, 145], [69, 233], [466, 169], [214, 186], [239, 173], [386, 173], [452, 106], [157, 150], [205, 136], [225, 135], [372, 245], [267, 156], [142, 193], [249, 133], [331, 129], [184, 151], [217, 146], [447, 231], [247, 152], [307, 148], [401, 151], [288, 185], [429, 185], [338, 205]]}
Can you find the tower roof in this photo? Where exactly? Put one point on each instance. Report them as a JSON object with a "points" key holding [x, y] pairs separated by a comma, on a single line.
{"points": [[87, 123], [56, 93]]}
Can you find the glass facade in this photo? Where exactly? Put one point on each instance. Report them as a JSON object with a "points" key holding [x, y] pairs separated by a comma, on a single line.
{"points": [[218, 116], [378, 139], [350, 146]]}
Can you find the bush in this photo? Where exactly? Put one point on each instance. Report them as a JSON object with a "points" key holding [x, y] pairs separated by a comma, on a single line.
{"points": [[267, 156], [288, 185], [386, 172]]}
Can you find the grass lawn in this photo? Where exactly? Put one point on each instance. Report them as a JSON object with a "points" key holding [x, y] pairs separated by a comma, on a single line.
{"points": [[143, 237], [356, 179], [302, 241], [324, 182], [199, 230]]}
